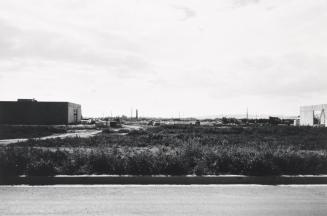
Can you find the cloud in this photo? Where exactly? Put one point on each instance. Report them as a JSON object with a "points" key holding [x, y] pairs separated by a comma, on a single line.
{"points": [[107, 50], [243, 3], [255, 76], [141, 51], [274, 76], [187, 12]]}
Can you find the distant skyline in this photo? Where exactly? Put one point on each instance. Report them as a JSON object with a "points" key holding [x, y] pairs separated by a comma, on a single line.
{"points": [[196, 58]]}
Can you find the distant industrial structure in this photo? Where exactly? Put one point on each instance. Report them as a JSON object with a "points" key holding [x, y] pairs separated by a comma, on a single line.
{"points": [[314, 115], [33, 112]]}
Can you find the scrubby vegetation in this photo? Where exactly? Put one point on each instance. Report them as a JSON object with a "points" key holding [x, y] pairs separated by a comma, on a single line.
{"points": [[16, 131], [175, 150]]}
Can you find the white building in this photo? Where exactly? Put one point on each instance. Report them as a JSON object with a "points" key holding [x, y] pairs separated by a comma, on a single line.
{"points": [[313, 115]]}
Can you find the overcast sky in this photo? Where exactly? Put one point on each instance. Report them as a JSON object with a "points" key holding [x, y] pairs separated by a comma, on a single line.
{"points": [[197, 58]]}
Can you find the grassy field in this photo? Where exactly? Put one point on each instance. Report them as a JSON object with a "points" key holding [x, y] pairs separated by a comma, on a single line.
{"points": [[175, 150]]}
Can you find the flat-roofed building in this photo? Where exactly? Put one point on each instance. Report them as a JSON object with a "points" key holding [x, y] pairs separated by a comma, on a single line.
{"points": [[32, 112]]}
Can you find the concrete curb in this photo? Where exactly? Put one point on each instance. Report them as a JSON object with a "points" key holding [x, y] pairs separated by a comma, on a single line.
{"points": [[174, 180]]}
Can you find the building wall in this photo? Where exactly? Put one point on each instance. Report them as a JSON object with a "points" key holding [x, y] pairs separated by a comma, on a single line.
{"points": [[307, 114], [32, 112], [74, 113]]}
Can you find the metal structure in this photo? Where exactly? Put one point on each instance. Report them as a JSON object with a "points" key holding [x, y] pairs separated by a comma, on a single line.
{"points": [[32, 112], [314, 115]]}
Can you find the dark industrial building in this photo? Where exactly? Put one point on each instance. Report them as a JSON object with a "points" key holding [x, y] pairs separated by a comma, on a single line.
{"points": [[32, 112]]}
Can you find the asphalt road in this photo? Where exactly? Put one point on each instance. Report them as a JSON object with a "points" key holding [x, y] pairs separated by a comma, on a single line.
{"points": [[164, 200]]}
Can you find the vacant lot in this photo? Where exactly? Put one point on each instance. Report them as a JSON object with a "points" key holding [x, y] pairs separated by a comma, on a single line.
{"points": [[175, 150], [17, 131]]}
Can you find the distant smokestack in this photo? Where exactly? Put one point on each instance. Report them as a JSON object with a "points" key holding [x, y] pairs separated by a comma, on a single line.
{"points": [[136, 114]]}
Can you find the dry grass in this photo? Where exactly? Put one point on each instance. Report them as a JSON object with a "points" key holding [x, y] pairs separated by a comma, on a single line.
{"points": [[175, 150]]}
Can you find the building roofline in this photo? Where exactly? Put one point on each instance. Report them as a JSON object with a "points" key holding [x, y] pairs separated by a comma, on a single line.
{"points": [[39, 102]]}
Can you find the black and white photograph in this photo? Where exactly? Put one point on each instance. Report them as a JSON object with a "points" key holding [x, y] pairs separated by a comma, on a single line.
{"points": [[163, 107]]}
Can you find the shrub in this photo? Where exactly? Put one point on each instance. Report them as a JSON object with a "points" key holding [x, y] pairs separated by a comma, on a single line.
{"points": [[41, 168], [15, 131], [175, 150]]}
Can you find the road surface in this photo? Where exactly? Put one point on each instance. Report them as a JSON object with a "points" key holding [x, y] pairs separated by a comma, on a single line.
{"points": [[251, 200]]}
